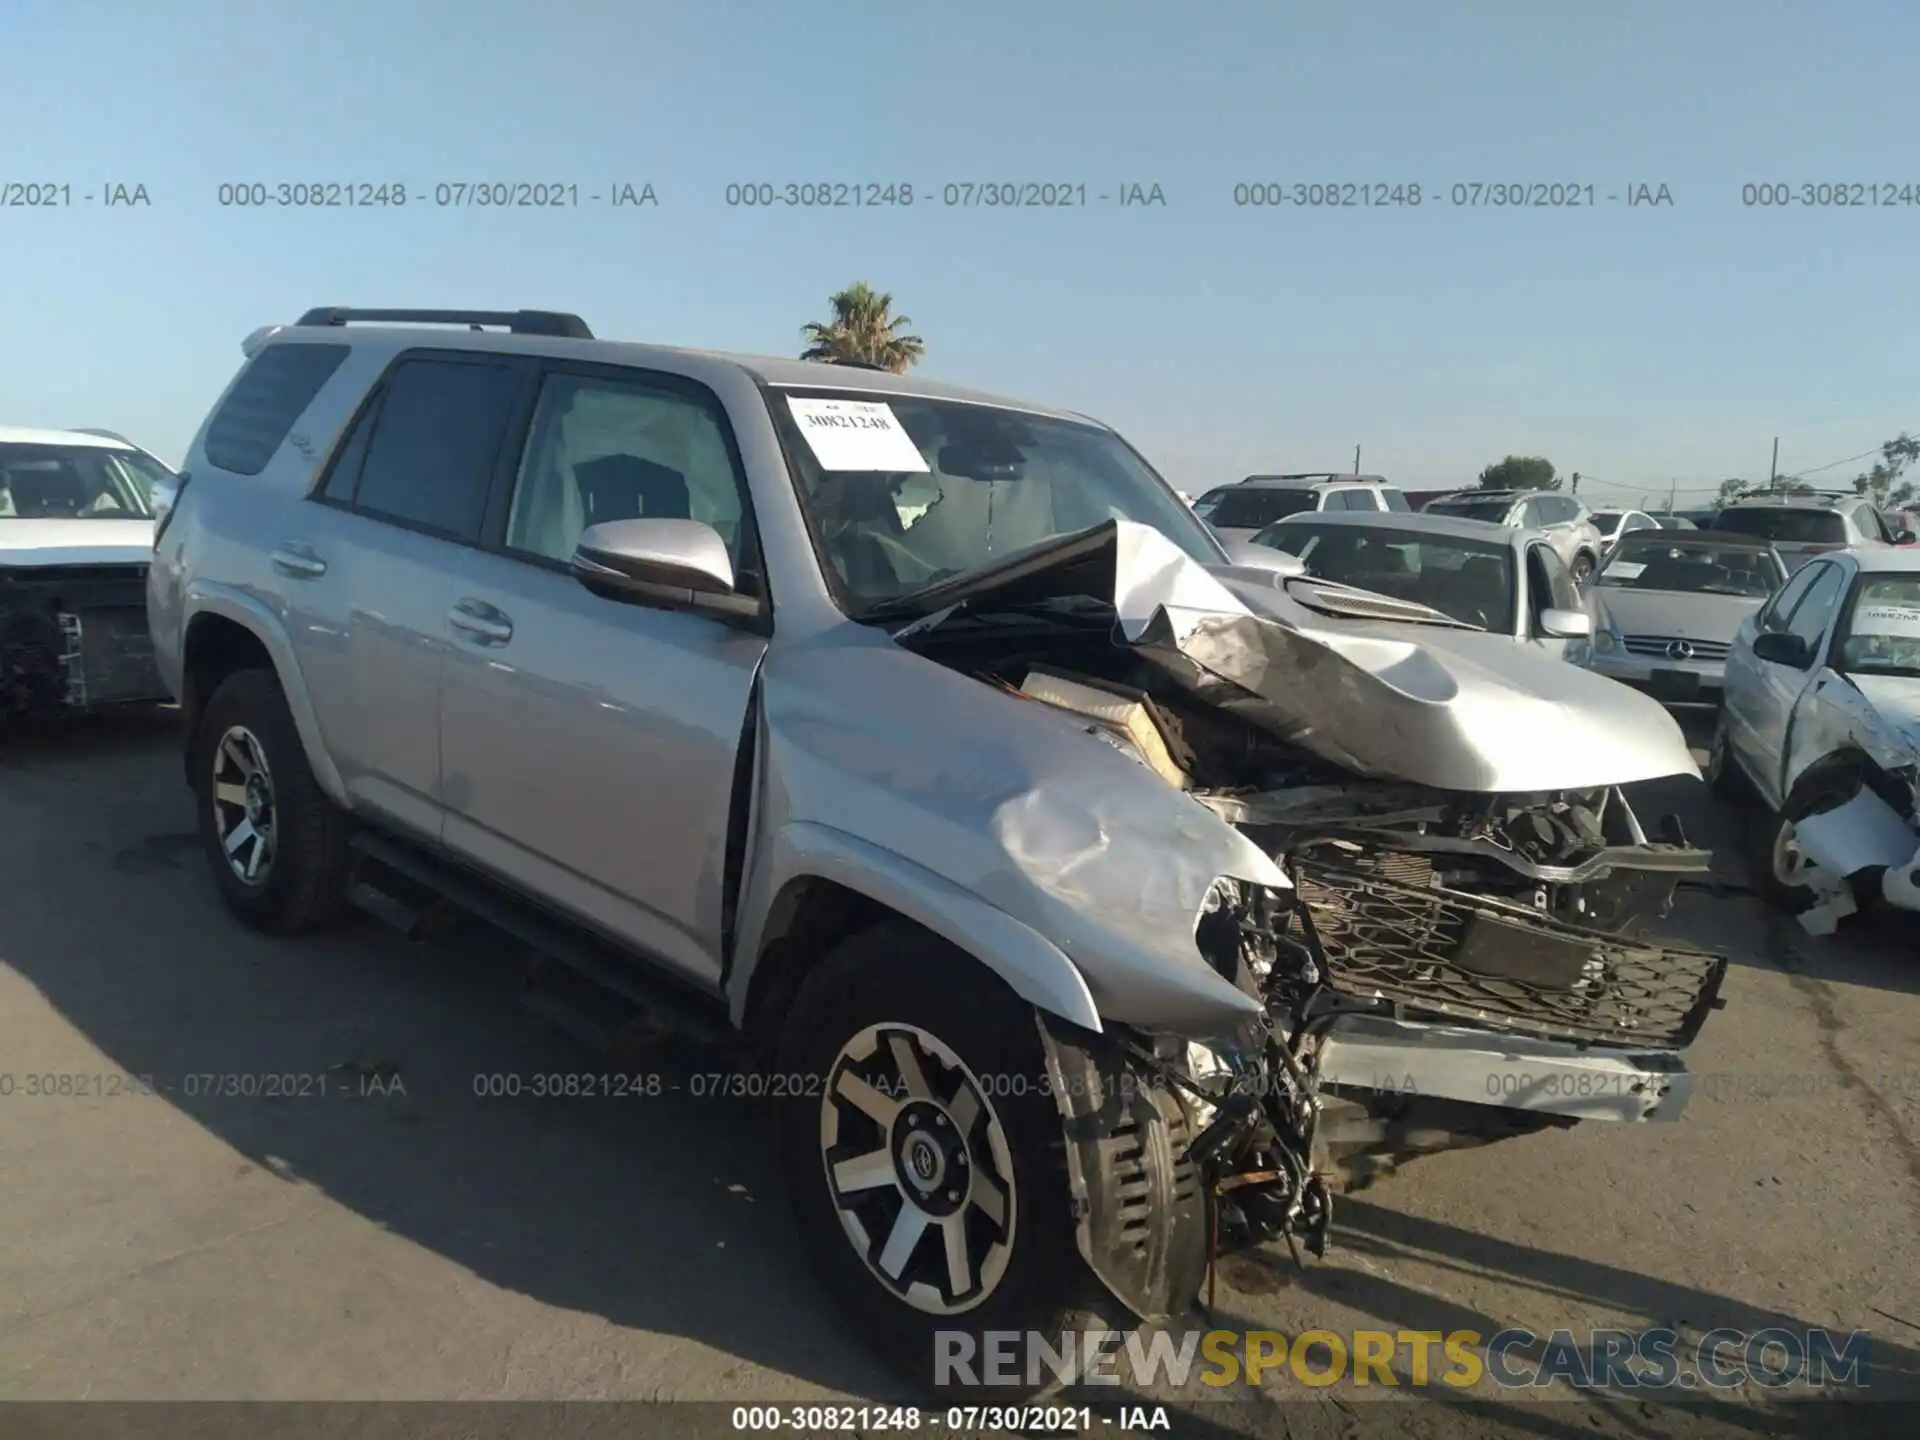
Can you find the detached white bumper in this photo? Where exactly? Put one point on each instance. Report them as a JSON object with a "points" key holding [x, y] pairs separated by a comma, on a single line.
{"points": [[1453, 1063], [1837, 844]]}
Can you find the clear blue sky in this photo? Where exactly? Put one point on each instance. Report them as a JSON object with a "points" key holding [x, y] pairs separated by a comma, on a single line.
{"points": [[1640, 346]]}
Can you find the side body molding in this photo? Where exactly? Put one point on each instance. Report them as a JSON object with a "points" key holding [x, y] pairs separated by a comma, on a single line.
{"points": [[204, 598], [1037, 970]]}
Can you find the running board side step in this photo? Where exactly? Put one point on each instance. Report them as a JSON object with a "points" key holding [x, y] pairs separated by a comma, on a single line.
{"points": [[415, 892]]}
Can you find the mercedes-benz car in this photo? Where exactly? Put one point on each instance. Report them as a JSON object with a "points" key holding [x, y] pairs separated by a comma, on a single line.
{"points": [[1667, 604]]}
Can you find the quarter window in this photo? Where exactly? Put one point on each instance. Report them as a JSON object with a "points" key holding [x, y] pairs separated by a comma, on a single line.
{"points": [[271, 393]]}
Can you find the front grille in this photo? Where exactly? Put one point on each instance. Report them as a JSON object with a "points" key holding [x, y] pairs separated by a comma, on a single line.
{"points": [[1659, 645], [1464, 957]]}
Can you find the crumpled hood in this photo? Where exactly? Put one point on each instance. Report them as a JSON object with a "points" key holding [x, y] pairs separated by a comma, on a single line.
{"points": [[1434, 705], [75, 542]]}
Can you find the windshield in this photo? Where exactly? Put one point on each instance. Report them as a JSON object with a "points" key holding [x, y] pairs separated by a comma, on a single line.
{"points": [[1466, 580], [76, 482], [1808, 527], [1494, 510], [1882, 629], [902, 492], [1691, 566], [1253, 509]]}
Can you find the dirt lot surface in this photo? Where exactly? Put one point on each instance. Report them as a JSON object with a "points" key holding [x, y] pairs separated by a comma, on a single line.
{"points": [[404, 1238]]}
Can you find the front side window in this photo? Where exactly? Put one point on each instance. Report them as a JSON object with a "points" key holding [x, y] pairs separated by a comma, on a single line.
{"points": [[603, 449], [1810, 616], [75, 482], [902, 492]]}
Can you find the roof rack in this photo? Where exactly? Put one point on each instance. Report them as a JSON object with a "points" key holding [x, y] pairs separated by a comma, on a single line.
{"points": [[519, 322], [102, 434]]}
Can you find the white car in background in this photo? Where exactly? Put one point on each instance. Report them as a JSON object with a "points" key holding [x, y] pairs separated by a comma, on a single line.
{"points": [[1821, 721], [1615, 525], [76, 537]]}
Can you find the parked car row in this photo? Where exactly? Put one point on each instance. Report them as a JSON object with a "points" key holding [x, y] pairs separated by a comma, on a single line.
{"points": [[1104, 892]]}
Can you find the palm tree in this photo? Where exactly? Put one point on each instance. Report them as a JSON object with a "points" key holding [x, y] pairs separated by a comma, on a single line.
{"points": [[863, 332]]}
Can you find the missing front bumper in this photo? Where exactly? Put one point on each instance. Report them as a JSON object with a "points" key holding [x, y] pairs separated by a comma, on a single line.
{"points": [[75, 638]]}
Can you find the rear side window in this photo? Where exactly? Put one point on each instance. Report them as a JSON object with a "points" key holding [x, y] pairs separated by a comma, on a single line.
{"points": [[272, 393], [1395, 500], [427, 455]]}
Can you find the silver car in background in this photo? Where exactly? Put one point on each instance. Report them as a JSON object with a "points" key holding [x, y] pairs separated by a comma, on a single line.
{"points": [[1667, 604], [1506, 581], [1563, 519], [1821, 723]]}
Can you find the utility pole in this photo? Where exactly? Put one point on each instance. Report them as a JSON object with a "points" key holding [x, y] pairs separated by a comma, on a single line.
{"points": [[1575, 490], [1673, 488], [1356, 459], [1773, 471]]}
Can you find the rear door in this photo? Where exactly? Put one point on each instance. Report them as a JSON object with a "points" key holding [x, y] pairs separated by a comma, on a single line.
{"points": [[371, 569]]}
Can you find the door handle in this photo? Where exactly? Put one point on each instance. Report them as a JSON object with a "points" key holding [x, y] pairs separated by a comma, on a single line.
{"points": [[298, 561], [481, 621]]}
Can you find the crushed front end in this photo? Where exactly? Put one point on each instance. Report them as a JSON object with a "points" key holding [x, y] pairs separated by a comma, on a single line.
{"points": [[74, 637]]}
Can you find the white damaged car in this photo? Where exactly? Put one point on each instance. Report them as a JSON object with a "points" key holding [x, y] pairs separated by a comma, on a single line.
{"points": [[76, 537], [1821, 719]]}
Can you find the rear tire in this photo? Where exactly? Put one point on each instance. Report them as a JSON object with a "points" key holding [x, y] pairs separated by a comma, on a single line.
{"points": [[276, 844], [925, 1160]]}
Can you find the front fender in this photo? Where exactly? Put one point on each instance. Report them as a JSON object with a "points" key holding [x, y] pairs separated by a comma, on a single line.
{"points": [[1032, 966], [205, 598]]}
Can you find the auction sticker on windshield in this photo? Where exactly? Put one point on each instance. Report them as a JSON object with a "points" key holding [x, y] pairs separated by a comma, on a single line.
{"points": [[1887, 620], [1625, 570], [856, 435]]}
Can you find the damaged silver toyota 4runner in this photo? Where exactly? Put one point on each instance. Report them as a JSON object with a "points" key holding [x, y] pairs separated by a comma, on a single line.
{"points": [[1095, 902]]}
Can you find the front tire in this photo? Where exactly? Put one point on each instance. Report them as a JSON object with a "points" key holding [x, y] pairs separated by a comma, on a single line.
{"points": [[925, 1161], [276, 844]]}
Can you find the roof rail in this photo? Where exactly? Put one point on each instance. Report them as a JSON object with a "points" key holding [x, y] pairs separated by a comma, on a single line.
{"points": [[103, 434], [1792, 489], [519, 322]]}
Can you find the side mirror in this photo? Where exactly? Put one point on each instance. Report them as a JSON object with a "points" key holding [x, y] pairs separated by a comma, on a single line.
{"points": [[1566, 624], [1905, 537], [1781, 648], [674, 564]]}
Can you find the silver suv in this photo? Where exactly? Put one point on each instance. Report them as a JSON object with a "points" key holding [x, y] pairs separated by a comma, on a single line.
{"points": [[1241, 511], [1093, 904], [1803, 523], [1565, 521]]}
